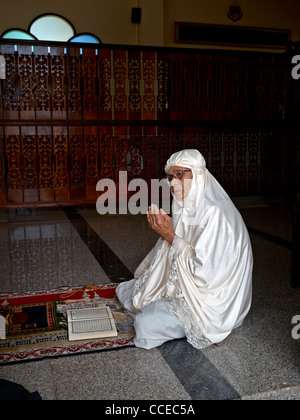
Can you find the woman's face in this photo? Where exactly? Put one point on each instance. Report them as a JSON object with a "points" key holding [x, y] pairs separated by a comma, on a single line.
{"points": [[180, 181]]}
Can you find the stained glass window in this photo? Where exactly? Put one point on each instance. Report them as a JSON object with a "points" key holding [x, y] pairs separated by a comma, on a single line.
{"points": [[17, 34], [52, 28], [86, 38]]}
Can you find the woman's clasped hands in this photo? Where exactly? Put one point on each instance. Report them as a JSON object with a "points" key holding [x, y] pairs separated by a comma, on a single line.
{"points": [[161, 223]]}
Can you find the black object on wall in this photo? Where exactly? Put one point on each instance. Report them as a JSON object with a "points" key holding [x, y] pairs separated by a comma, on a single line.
{"points": [[136, 15]]}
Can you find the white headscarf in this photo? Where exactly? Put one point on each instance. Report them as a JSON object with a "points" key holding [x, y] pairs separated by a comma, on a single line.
{"points": [[207, 272], [190, 159]]}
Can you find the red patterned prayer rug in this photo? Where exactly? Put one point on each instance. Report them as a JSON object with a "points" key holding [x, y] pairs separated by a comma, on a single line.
{"points": [[34, 322], [29, 318]]}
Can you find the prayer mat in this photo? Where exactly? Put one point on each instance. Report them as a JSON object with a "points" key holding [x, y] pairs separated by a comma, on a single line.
{"points": [[36, 322], [30, 318]]}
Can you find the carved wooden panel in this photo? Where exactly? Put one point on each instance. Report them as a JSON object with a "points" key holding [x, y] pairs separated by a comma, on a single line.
{"points": [[191, 87], [107, 157], [243, 88], [134, 79], [229, 79], [73, 116], [228, 161], [149, 78], [120, 83], [57, 83], [216, 88], [92, 153], [177, 141], [268, 165], [203, 91], [253, 162], [73, 84], [77, 166], [14, 165], [28, 155], [163, 76], [177, 82], [121, 150], [203, 146], [164, 147], [40, 82], [215, 152], [52, 83], [62, 174], [90, 87], [2, 169], [134, 157], [46, 164], [27, 97], [269, 78], [105, 84], [241, 168], [150, 157], [10, 87]]}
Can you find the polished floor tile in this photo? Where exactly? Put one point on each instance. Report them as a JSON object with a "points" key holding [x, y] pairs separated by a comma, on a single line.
{"points": [[37, 255], [29, 376], [114, 268], [127, 374], [200, 377], [127, 236], [262, 355]]}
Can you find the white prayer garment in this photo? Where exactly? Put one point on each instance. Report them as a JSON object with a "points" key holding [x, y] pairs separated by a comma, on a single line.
{"points": [[204, 279]]}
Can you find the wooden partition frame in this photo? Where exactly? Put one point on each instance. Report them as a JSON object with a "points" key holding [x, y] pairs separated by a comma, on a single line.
{"points": [[72, 114]]}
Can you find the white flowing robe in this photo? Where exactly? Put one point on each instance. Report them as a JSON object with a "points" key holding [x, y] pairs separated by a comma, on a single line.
{"points": [[206, 274]]}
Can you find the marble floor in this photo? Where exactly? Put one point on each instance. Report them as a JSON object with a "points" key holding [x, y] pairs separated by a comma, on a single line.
{"points": [[67, 246]]}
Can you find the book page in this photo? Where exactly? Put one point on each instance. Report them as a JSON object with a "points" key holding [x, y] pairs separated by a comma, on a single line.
{"points": [[78, 314], [91, 326], [91, 323]]}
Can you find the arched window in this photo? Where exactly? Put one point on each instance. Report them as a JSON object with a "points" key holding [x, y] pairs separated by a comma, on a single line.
{"points": [[17, 34], [86, 38], [51, 27]]}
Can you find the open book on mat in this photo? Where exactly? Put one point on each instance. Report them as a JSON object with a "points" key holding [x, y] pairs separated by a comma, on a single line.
{"points": [[91, 323]]}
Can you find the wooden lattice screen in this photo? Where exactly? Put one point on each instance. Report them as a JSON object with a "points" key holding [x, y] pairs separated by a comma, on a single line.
{"points": [[72, 115]]}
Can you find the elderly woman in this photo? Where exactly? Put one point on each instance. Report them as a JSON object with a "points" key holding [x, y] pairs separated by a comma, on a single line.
{"points": [[197, 280]]}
